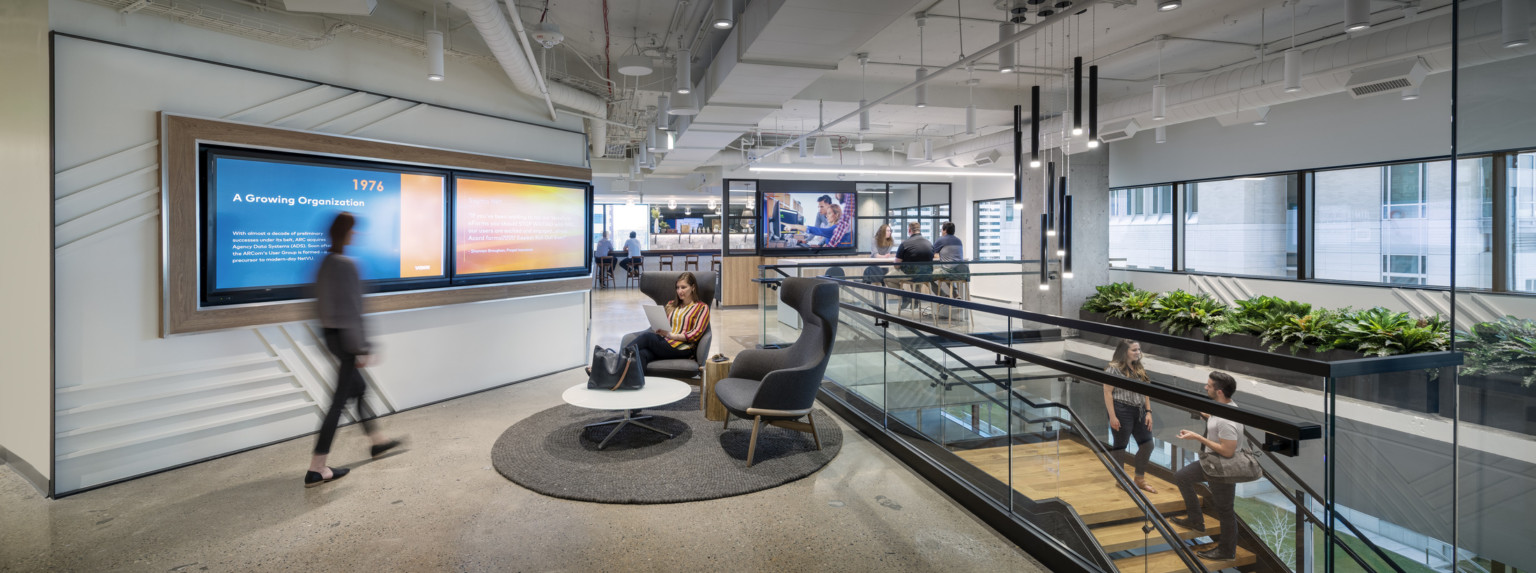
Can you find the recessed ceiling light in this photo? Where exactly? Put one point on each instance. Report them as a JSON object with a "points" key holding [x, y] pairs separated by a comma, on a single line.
{"points": [[1169, 5]]}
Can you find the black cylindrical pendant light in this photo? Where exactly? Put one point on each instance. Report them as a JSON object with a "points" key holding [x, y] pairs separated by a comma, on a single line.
{"points": [[1050, 199], [1093, 106], [1018, 156], [1045, 267], [1066, 238], [1034, 127], [1061, 222], [1077, 95]]}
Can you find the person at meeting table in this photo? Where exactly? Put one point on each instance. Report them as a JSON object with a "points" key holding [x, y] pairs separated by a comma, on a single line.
{"points": [[916, 249], [884, 247], [339, 300], [1130, 413], [1221, 437], [689, 317], [634, 258], [948, 249]]}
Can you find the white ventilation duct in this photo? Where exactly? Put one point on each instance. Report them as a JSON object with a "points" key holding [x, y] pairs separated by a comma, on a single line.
{"points": [[1326, 70], [491, 22]]}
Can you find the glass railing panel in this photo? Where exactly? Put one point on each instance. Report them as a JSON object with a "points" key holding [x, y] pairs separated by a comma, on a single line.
{"points": [[1392, 472]]}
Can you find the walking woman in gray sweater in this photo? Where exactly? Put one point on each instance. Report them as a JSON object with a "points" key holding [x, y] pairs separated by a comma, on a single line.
{"points": [[339, 297]]}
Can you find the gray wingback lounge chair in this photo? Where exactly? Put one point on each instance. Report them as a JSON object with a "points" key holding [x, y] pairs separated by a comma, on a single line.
{"points": [[779, 386], [662, 287]]}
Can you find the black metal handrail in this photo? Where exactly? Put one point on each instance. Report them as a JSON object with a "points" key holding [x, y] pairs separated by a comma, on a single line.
{"points": [[1113, 467], [1301, 507]]}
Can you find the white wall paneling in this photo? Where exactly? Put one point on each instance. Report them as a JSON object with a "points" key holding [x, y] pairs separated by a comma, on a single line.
{"points": [[130, 402]]}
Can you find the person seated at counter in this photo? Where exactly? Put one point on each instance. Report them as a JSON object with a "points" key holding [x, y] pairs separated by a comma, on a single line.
{"points": [[604, 247], [689, 317], [634, 261], [834, 234], [918, 253]]}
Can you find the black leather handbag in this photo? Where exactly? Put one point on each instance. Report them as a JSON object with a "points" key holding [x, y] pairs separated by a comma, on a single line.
{"points": [[621, 370]]}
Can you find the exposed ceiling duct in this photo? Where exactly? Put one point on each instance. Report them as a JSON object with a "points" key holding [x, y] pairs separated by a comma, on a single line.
{"points": [[1326, 70], [489, 20]]}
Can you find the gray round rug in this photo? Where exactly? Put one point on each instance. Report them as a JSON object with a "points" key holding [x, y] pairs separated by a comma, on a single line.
{"points": [[551, 453]]}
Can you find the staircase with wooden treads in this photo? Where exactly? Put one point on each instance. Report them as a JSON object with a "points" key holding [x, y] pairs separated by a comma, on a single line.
{"points": [[1069, 471]]}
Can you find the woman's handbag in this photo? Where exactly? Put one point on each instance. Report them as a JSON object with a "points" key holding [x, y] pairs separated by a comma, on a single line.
{"points": [[622, 370]]}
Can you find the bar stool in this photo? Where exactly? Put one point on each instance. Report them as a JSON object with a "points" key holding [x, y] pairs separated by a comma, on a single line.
{"points": [[714, 263], [665, 263], [635, 272], [690, 262], [604, 276]]}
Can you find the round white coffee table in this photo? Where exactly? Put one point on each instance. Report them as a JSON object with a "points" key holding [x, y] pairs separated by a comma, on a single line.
{"points": [[657, 392]]}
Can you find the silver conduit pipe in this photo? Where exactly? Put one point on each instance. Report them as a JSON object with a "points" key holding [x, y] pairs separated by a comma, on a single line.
{"points": [[492, 25]]}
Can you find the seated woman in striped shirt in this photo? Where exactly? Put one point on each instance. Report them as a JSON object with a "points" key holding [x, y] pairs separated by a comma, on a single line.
{"points": [[690, 317]]}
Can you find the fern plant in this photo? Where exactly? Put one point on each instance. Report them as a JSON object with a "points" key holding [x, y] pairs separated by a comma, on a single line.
{"points": [[1374, 332], [1317, 330], [1258, 315], [1504, 346], [1107, 295], [1190, 312], [1170, 304], [1135, 306]]}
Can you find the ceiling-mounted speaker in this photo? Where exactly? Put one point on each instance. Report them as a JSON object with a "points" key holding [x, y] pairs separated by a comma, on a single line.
{"points": [[863, 146]]}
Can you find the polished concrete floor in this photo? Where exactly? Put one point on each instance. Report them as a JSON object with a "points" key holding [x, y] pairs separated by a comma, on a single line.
{"points": [[439, 506]]}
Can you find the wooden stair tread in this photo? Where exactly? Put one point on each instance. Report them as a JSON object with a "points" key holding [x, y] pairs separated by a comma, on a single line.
{"points": [[1074, 475], [1122, 536], [1169, 562]]}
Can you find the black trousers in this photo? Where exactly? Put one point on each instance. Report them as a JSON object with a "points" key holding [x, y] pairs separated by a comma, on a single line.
{"points": [[632, 263], [349, 386], [1222, 494], [653, 347], [1133, 423]]}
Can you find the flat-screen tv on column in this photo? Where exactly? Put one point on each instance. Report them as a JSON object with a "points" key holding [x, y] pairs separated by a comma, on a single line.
{"points": [[812, 217]]}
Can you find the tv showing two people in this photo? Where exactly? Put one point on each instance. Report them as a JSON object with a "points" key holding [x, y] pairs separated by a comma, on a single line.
{"points": [[811, 221], [270, 219], [266, 216]]}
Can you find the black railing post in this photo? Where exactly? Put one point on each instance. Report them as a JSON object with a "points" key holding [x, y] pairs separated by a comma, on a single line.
{"points": [[1303, 535]]}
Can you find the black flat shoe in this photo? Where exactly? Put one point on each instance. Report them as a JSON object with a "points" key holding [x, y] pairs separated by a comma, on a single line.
{"points": [[312, 479], [379, 450], [1187, 523], [1217, 555]]}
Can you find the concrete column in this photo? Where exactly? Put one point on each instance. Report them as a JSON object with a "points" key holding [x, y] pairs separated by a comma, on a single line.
{"points": [[26, 230], [1088, 183]]}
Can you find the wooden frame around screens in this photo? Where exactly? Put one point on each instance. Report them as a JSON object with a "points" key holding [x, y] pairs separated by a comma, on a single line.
{"points": [[180, 137]]}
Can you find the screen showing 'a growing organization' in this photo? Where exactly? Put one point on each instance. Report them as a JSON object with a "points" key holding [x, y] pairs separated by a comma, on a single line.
{"points": [[270, 220], [511, 227]]}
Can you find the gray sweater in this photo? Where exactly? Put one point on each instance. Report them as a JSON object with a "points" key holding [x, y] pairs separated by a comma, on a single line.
{"points": [[339, 297]]}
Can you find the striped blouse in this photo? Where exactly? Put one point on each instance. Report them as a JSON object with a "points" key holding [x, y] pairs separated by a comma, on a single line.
{"points": [[690, 321], [1122, 395]]}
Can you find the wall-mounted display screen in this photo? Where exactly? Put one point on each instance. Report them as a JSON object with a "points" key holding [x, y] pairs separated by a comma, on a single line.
{"points": [[509, 226], [266, 215], [812, 221]]}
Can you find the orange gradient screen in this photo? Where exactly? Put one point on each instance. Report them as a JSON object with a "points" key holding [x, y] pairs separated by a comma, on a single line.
{"points": [[502, 227], [421, 226]]}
